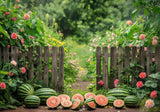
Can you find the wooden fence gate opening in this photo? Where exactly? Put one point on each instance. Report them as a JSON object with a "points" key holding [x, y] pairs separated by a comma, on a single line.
{"points": [[39, 67], [117, 60]]}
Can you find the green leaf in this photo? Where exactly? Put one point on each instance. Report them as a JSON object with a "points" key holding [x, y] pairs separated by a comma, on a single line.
{"points": [[155, 76], [146, 12], [2, 30], [3, 72], [134, 13]]}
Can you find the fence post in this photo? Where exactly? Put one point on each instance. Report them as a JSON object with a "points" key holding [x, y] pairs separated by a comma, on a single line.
{"points": [[149, 59], [54, 66], [127, 60], [6, 54], [157, 54], [120, 62], [61, 68], [105, 67], [39, 63], [46, 66], [98, 66], [31, 69], [141, 57]]}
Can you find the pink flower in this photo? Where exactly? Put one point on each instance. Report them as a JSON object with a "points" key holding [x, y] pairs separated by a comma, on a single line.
{"points": [[49, 36], [74, 54], [13, 62], [101, 83], [16, 6], [149, 103], [155, 37], [8, 46], [139, 84], [89, 60], [142, 36], [154, 42], [153, 94], [90, 57], [153, 59], [116, 82], [70, 53], [33, 37], [61, 33], [50, 48], [22, 41], [103, 44], [14, 36], [26, 17], [142, 75], [7, 13], [129, 22], [49, 71], [17, 1], [116, 43], [145, 48], [14, 18], [21, 30], [10, 73], [23, 70], [3, 85], [131, 45]]}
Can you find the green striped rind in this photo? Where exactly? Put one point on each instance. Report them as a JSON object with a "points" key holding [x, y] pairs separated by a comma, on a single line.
{"points": [[78, 106], [89, 106], [111, 99], [118, 93], [131, 101], [44, 94], [25, 90], [89, 100], [32, 101]]}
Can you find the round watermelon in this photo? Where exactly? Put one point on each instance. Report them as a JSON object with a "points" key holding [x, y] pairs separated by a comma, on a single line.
{"points": [[131, 101], [118, 103], [111, 99], [44, 94], [25, 90], [32, 101]]}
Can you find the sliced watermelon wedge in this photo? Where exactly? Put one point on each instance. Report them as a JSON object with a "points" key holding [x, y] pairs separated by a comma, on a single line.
{"points": [[53, 102], [91, 105], [101, 100], [78, 96], [118, 103], [64, 97], [66, 104], [89, 95], [76, 104]]}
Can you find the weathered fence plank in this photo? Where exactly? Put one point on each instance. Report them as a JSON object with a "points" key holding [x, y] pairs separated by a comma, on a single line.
{"points": [[98, 66], [120, 62], [39, 63], [142, 57], [46, 64], [54, 66], [61, 68], [105, 67], [31, 68], [149, 59], [113, 66], [14, 54], [6, 54], [157, 57], [127, 61]]}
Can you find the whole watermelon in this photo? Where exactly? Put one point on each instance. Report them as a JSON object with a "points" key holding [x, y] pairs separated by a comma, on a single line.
{"points": [[32, 101]]}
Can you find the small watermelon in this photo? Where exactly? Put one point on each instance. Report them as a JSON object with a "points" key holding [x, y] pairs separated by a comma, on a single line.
{"points": [[32, 101], [53, 102], [64, 97], [78, 96], [131, 101], [89, 95], [111, 99], [76, 104], [66, 103], [118, 103], [44, 94], [25, 90], [118, 93], [101, 100], [91, 105]]}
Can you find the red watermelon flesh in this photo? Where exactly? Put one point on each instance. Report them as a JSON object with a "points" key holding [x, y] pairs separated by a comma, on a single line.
{"points": [[76, 104], [118, 103], [101, 100], [89, 95], [91, 105], [64, 97], [53, 102], [78, 96], [66, 103]]}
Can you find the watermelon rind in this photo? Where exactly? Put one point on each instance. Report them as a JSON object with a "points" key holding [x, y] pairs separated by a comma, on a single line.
{"points": [[111, 99], [31, 101], [89, 100], [118, 106], [118, 93], [78, 106], [78, 96], [131, 101], [89, 105], [64, 105], [25, 90], [44, 94], [89, 95], [103, 100], [53, 101]]}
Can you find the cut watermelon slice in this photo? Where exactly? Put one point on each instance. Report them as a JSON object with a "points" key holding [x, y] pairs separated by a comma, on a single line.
{"points": [[76, 104], [91, 105], [118, 103], [53, 102], [64, 97], [66, 104], [89, 95], [101, 100], [78, 96]]}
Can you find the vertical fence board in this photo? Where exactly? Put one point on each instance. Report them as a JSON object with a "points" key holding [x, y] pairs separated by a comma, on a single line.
{"points": [[98, 66], [39, 63], [0, 54], [61, 68], [113, 63], [105, 67], [149, 59], [120, 61], [54, 66], [14, 53], [157, 57], [46, 64], [31, 68], [127, 60], [142, 57], [134, 60], [6, 54]]}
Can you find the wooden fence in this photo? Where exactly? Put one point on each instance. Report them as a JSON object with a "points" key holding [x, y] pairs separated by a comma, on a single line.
{"points": [[117, 60], [39, 63]]}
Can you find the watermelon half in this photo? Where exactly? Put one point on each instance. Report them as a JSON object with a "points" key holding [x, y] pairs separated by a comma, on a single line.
{"points": [[64, 97], [76, 104], [91, 105], [66, 104], [78, 96], [118, 103], [53, 102], [101, 100], [89, 95]]}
